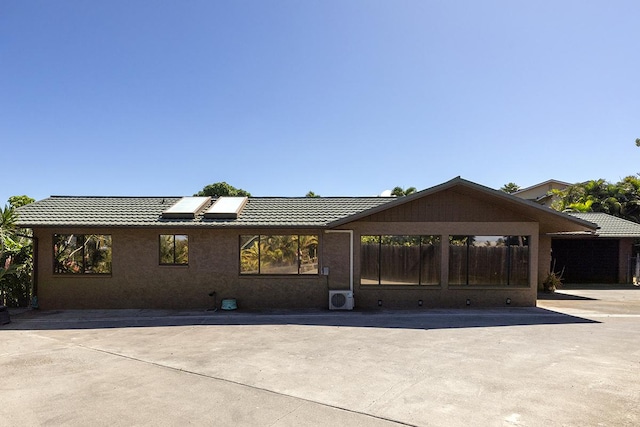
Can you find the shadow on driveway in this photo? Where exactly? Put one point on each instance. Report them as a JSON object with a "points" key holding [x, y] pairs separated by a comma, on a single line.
{"points": [[414, 319], [557, 296]]}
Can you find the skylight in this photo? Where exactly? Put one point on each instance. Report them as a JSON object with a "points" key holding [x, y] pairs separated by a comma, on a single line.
{"points": [[226, 208], [186, 208]]}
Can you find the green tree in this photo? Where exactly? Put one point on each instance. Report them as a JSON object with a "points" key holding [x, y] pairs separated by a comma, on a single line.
{"points": [[637, 142], [400, 192], [582, 197], [220, 189], [510, 188], [630, 189], [18, 201], [311, 194], [16, 256], [8, 220], [621, 199]]}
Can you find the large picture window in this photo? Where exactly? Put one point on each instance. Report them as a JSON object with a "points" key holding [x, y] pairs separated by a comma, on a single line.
{"points": [[174, 249], [82, 254], [489, 260], [400, 260], [279, 254]]}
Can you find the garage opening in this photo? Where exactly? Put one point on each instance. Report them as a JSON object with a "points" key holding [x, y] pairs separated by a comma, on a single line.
{"points": [[586, 260]]}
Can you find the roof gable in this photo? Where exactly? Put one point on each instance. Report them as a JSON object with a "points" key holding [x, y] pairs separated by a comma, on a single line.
{"points": [[447, 205], [496, 206], [544, 186]]}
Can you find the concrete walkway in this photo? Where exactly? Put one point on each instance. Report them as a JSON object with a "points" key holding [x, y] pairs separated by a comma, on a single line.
{"points": [[573, 361]]}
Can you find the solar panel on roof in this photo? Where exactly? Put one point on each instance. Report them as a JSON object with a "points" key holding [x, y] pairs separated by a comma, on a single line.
{"points": [[226, 208], [187, 207]]}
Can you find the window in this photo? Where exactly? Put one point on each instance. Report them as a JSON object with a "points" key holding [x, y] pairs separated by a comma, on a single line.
{"points": [[174, 249], [279, 254], [82, 254], [489, 260], [399, 260]]}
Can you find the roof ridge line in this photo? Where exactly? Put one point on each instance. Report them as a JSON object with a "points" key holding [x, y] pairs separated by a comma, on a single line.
{"points": [[57, 196]]}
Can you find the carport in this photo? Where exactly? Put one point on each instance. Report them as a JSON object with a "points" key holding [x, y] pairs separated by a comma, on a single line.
{"points": [[606, 256], [587, 260]]}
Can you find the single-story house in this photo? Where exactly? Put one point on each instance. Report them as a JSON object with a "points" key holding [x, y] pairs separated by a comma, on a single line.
{"points": [[453, 245], [606, 256]]}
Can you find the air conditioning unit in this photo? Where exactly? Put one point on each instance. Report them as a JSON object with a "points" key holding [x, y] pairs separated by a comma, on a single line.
{"points": [[340, 300]]}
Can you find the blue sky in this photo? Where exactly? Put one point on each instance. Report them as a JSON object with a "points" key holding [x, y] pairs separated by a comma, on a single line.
{"points": [[338, 97]]}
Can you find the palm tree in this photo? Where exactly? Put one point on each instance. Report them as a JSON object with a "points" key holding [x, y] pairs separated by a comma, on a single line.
{"points": [[621, 199], [630, 187], [579, 206], [584, 197], [7, 236], [8, 220], [399, 192]]}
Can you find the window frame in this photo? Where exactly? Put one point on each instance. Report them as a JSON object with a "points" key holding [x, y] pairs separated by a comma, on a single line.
{"points": [[258, 238], [421, 245], [173, 250], [81, 245], [509, 279]]}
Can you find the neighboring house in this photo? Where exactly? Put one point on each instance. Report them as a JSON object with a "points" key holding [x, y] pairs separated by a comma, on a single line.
{"points": [[603, 257], [540, 193], [452, 245]]}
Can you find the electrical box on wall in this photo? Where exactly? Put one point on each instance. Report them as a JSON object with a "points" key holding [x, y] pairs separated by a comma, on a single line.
{"points": [[325, 271]]}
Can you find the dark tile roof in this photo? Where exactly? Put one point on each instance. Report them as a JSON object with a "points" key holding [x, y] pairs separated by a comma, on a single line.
{"points": [[262, 212], [609, 225], [70, 211]]}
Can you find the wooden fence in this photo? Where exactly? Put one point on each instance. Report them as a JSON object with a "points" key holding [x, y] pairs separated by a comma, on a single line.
{"points": [[401, 265], [487, 265]]}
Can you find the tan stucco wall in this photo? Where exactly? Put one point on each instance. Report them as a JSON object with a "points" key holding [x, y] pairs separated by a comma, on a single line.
{"points": [[625, 251], [544, 259], [138, 281], [538, 191], [336, 257]]}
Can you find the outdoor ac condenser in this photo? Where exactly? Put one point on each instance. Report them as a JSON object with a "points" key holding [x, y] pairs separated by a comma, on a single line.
{"points": [[340, 300]]}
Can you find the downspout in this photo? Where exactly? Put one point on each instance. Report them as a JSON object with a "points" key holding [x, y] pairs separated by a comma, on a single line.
{"points": [[350, 232]]}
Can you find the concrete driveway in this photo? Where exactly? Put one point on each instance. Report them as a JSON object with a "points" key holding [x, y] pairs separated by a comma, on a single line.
{"points": [[573, 361]]}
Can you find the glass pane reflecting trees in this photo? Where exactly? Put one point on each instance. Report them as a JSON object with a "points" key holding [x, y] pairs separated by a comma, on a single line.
{"points": [[174, 249], [279, 254], [82, 253]]}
